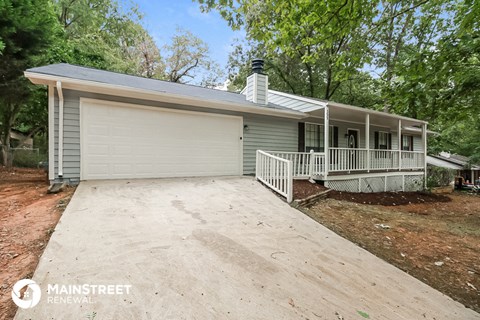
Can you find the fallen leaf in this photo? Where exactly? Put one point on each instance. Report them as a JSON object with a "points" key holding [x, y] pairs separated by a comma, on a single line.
{"points": [[363, 314]]}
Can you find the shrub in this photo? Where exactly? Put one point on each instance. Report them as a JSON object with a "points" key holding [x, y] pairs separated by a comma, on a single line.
{"points": [[27, 158], [439, 177]]}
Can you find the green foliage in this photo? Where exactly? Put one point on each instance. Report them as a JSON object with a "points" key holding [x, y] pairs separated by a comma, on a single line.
{"points": [[423, 57], [26, 31], [27, 158], [95, 33], [439, 177], [320, 41]]}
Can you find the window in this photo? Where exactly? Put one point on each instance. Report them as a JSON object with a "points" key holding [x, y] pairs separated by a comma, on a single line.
{"points": [[314, 137], [407, 143], [383, 140]]}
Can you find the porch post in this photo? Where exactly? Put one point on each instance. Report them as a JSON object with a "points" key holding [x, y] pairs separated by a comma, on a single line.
{"points": [[424, 144], [399, 136], [326, 147], [367, 139]]}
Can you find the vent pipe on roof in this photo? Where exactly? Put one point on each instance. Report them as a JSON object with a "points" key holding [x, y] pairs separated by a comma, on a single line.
{"points": [[257, 65], [257, 84]]}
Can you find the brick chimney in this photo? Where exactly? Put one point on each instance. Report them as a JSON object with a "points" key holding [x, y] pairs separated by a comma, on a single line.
{"points": [[257, 84]]}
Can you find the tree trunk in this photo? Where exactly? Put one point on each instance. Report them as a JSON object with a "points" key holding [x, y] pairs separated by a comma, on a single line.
{"points": [[329, 75], [6, 161], [8, 118]]}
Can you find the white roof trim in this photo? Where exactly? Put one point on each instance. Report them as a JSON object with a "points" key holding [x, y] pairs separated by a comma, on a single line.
{"points": [[374, 112], [125, 91], [321, 104], [419, 130], [442, 163]]}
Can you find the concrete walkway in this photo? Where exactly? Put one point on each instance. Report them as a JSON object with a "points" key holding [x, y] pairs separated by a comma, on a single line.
{"points": [[216, 248]]}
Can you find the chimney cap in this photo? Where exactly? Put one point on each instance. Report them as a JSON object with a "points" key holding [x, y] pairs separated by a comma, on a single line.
{"points": [[257, 65]]}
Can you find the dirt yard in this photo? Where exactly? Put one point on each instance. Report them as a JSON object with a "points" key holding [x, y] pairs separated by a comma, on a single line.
{"points": [[434, 238], [28, 216]]}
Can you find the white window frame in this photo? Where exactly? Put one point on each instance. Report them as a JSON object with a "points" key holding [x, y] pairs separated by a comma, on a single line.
{"points": [[389, 147], [410, 139], [321, 140]]}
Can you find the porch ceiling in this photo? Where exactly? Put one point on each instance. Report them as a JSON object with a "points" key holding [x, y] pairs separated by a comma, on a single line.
{"points": [[354, 114]]}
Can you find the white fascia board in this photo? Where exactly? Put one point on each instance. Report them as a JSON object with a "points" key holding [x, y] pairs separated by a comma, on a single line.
{"points": [[419, 130], [323, 104], [320, 104], [374, 112], [124, 91]]}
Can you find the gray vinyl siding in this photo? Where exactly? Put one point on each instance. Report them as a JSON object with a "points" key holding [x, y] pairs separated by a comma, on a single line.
{"points": [[264, 132], [257, 86], [262, 89], [71, 137], [417, 143], [250, 85]]}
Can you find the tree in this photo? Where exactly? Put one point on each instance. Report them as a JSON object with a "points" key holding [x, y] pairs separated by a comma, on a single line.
{"points": [[186, 58], [26, 29], [289, 75], [96, 32], [143, 53], [325, 37]]}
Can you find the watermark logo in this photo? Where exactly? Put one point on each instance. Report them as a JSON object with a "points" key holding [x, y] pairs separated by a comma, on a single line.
{"points": [[63, 293], [30, 298]]}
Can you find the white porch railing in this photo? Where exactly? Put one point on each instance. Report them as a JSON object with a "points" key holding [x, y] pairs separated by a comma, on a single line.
{"points": [[275, 172], [278, 169], [348, 159], [413, 160], [318, 164], [384, 159], [305, 164]]}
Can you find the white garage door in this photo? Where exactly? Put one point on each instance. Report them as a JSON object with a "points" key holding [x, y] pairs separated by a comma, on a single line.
{"points": [[127, 141]]}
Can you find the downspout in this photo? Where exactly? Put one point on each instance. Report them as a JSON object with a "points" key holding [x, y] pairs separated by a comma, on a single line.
{"points": [[51, 133], [60, 129]]}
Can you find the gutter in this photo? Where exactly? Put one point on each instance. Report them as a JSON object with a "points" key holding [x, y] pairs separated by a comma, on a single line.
{"points": [[60, 128], [125, 91]]}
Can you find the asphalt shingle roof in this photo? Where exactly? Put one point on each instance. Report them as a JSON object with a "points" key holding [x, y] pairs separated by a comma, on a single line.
{"points": [[107, 77]]}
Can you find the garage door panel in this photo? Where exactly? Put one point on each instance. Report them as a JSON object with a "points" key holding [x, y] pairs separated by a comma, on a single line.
{"points": [[120, 141]]}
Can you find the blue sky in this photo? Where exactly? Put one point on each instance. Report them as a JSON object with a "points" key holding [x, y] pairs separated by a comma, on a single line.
{"points": [[162, 17]]}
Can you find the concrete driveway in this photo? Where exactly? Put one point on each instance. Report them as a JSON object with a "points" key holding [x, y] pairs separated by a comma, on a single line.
{"points": [[214, 248]]}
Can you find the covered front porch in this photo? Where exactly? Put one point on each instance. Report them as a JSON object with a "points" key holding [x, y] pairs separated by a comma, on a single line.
{"points": [[350, 149]]}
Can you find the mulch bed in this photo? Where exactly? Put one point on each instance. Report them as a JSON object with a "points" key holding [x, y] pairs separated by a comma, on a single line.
{"points": [[389, 198], [304, 188]]}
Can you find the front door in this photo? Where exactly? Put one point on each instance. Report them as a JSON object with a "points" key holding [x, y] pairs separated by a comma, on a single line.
{"points": [[353, 144]]}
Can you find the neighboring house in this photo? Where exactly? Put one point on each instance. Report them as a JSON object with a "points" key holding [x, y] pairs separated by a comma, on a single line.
{"points": [[463, 166], [106, 125], [19, 140]]}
